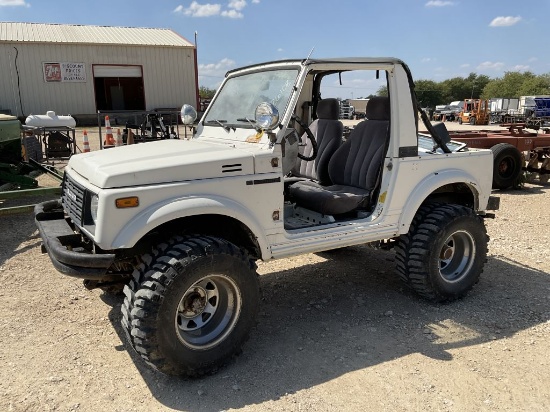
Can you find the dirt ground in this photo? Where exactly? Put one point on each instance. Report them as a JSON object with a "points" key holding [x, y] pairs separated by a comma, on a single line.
{"points": [[337, 332]]}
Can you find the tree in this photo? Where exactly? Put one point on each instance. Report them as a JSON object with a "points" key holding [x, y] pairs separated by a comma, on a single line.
{"points": [[515, 84], [206, 93], [428, 93], [455, 89], [477, 84], [460, 88], [382, 91], [536, 86]]}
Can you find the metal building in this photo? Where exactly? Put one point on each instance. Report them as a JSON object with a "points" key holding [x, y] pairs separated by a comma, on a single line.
{"points": [[78, 70]]}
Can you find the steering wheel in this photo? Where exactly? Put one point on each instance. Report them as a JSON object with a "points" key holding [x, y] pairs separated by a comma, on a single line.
{"points": [[311, 138]]}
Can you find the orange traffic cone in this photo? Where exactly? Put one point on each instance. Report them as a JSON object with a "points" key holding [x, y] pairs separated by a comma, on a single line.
{"points": [[85, 142], [109, 140], [118, 138]]}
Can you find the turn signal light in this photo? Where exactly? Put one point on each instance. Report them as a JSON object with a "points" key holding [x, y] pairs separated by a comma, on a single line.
{"points": [[125, 202]]}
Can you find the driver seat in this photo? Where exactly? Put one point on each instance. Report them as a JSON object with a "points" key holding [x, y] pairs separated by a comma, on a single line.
{"points": [[328, 131], [355, 167]]}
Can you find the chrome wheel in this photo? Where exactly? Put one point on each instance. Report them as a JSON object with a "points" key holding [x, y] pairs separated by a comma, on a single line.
{"points": [[457, 256], [208, 312]]}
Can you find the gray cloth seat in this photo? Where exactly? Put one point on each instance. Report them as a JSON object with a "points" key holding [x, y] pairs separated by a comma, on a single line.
{"points": [[328, 131], [354, 168]]}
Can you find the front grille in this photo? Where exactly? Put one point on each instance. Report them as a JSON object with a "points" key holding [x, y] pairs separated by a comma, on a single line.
{"points": [[73, 199]]}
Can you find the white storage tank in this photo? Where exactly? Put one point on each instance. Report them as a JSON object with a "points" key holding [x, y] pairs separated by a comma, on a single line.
{"points": [[50, 119]]}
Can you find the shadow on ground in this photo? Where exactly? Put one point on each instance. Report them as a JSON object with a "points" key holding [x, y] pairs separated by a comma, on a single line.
{"points": [[16, 230], [323, 320]]}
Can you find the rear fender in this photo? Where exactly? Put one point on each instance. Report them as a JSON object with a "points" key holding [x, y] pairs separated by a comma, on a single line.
{"points": [[170, 210], [428, 186]]}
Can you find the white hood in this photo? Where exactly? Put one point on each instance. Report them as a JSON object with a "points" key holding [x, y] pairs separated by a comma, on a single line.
{"points": [[161, 162]]}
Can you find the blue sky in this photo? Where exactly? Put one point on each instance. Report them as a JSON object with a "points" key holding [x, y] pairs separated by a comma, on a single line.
{"points": [[438, 39]]}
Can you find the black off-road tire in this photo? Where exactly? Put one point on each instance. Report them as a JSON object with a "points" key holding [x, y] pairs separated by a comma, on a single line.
{"points": [[191, 305], [472, 121], [442, 256], [507, 165]]}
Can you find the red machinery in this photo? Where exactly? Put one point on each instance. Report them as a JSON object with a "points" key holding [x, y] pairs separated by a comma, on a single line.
{"points": [[512, 148]]}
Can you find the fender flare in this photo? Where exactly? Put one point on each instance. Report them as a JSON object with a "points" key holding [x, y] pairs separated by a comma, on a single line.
{"points": [[169, 210], [429, 185]]}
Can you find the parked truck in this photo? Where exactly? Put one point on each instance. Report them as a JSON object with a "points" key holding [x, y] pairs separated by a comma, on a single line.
{"points": [[448, 112], [503, 110], [347, 111], [179, 224], [540, 113], [359, 107]]}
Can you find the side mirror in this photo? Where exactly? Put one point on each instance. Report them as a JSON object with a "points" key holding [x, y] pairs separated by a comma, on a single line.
{"points": [[188, 114], [266, 116]]}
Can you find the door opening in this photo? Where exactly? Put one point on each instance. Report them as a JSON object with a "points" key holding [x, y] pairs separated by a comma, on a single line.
{"points": [[119, 88]]}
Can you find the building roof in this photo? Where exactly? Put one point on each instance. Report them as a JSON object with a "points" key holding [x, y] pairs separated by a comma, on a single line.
{"points": [[78, 34]]}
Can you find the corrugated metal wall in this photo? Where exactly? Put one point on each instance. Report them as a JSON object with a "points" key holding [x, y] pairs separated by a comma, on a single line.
{"points": [[168, 76]]}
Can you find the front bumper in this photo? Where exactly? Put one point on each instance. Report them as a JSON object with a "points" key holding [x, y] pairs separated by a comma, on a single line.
{"points": [[64, 246]]}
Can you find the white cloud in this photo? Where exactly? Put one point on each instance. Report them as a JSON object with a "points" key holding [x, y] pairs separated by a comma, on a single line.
{"points": [[465, 65], [520, 68], [216, 69], [533, 59], [211, 75], [427, 59], [502, 21], [232, 14], [199, 10], [14, 3], [280, 50], [255, 1], [490, 66], [237, 4], [439, 3], [208, 10]]}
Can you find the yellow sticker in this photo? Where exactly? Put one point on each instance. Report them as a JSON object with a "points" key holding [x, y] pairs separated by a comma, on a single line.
{"points": [[255, 138], [382, 197]]}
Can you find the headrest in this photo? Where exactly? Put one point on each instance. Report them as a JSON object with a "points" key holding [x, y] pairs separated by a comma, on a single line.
{"points": [[378, 108], [328, 109]]}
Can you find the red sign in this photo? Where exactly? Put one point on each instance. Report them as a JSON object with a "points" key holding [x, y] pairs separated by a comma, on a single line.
{"points": [[52, 72]]}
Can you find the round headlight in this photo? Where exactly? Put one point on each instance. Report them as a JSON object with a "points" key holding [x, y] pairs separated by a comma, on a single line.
{"points": [[267, 116], [94, 204], [188, 114]]}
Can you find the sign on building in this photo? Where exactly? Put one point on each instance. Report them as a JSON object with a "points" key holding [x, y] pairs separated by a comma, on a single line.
{"points": [[65, 72]]}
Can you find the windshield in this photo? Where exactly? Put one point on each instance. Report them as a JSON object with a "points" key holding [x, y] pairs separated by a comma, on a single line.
{"points": [[239, 97]]}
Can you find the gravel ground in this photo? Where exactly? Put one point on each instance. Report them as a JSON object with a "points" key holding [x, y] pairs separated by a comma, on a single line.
{"points": [[336, 332]]}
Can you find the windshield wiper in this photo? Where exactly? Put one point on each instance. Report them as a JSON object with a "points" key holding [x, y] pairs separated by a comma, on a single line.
{"points": [[246, 119], [219, 123]]}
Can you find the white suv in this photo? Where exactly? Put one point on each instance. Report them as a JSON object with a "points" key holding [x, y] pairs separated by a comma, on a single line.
{"points": [[268, 174]]}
